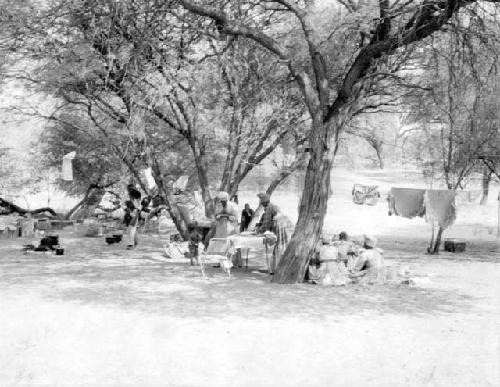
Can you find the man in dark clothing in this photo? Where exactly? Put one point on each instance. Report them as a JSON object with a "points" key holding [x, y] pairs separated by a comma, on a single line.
{"points": [[246, 217], [134, 195], [131, 219]]}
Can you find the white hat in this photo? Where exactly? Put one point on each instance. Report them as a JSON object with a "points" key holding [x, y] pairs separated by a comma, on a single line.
{"points": [[370, 241], [223, 196]]}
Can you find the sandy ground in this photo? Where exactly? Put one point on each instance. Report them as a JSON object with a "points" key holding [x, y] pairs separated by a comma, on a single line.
{"points": [[104, 316]]}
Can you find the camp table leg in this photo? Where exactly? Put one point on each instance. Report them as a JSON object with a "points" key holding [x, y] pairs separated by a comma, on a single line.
{"points": [[246, 263], [200, 261], [267, 259]]}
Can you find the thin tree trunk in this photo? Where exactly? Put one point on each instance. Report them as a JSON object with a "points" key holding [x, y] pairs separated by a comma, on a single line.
{"points": [[136, 174], [380, 156], [486, 185], [79, 204], [201, 170], [299, 159], [205, 192], [438, 241], [174, 213]]}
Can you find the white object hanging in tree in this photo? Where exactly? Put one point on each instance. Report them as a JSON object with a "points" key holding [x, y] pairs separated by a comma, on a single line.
{"points": [[147, 176], [181, 183], [67, 167]]}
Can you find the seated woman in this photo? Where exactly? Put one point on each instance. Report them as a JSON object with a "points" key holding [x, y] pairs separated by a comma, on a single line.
{"points": [[347, 250], [369, 267], [326, 268]]}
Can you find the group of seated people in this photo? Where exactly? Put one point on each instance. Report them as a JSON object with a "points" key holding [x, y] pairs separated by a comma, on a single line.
{"points": [[339, 262]]}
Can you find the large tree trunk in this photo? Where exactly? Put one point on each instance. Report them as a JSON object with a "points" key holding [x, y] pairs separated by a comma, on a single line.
{"points": [[313, 205], [486, 185]]}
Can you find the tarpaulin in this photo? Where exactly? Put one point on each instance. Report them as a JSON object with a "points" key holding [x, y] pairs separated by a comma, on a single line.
{"points": [[406, 202]]}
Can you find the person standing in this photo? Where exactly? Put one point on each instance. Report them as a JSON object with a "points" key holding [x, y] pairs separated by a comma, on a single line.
{"points": [[134, 196], [130, 220], [269, 223], [268, 219], [226, 216], [246, 217], [133, 206]]}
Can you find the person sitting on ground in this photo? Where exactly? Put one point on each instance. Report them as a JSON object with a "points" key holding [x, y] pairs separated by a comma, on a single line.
{"points": [[347, 250], [246, 217], [325, 267], [369, 266]]}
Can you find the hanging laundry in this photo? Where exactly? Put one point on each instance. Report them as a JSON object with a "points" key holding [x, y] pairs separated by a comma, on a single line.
{"points": [[406, 202], [67, 166], [147, 177], [365, 194], [440, 207]]}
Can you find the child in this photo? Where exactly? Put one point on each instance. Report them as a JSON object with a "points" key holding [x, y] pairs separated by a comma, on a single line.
{"points": [[194, 241]]}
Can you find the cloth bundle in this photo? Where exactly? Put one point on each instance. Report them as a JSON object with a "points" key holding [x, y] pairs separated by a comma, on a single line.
{"points": [[437, 205], [175, 250], [365, 194]]}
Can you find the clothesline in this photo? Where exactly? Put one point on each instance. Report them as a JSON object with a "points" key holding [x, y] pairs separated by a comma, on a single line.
{"points": [[436, 205]]}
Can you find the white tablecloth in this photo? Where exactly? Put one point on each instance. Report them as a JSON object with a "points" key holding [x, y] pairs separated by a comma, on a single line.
{"points": [[247, 241]]}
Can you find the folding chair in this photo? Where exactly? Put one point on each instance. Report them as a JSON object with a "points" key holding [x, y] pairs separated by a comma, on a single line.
{"points": [[219, 249]]}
